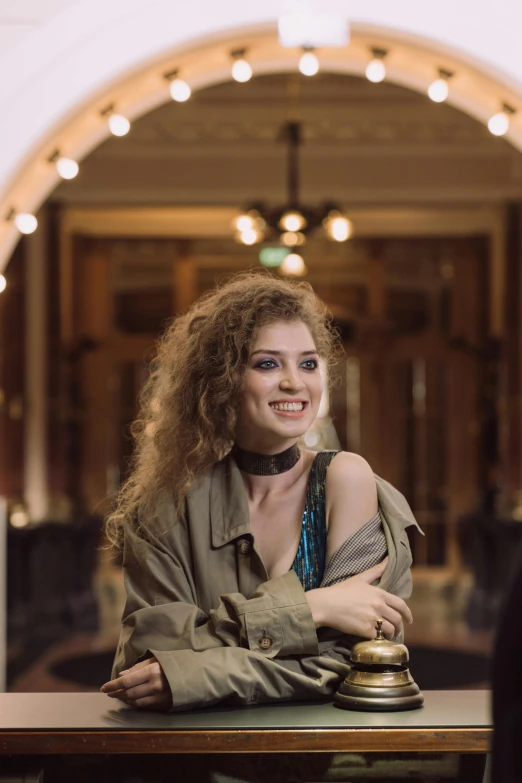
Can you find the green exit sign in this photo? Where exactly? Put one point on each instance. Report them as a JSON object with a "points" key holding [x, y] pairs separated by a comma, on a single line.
{"points": [[273, 256]]}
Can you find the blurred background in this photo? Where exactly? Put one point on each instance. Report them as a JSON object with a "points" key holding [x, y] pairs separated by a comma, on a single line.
{"points": [[319, 162]]}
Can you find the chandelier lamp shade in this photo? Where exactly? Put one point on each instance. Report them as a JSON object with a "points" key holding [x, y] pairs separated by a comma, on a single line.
{"points": [[294, 266], [291, 223]]}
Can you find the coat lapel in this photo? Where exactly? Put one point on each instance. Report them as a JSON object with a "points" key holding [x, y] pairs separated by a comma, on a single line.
{"points": [[229, 513]]}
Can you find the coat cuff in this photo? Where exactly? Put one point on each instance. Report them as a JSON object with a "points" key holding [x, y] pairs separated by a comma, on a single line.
{"points": [[173, 671], [280, 622], [197, 680]]}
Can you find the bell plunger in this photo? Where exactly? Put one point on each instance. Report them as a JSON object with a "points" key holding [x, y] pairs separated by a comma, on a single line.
{"points": [[379, 679]]}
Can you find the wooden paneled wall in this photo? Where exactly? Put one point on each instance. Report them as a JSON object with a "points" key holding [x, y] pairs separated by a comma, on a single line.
{"points": [[12, 377]]}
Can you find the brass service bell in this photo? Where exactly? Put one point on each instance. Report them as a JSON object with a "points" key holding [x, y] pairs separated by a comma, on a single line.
{"points": [[379, 679]]}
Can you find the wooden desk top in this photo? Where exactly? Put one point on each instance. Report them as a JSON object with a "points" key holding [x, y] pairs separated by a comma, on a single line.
{"points": [[86, 723]]}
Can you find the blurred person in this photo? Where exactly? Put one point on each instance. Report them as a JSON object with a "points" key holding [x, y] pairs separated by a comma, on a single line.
{"points": [[251, 566]]}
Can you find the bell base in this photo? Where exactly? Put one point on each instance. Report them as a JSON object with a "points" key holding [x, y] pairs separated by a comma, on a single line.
{"points": [[377, 699]]}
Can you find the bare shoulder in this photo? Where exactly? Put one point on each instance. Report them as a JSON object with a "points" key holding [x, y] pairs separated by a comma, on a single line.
{"points": [[349, 473], [351, 496]]}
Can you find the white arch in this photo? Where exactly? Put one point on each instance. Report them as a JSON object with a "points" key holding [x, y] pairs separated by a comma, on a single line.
{"points": [[55, 82]]}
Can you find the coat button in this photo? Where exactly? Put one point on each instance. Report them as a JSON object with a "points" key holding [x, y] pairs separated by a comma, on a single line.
{"points": [[265, 642], [244, 547]]}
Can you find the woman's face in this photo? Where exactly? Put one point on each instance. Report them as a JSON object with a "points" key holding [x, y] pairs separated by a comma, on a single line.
{"points": [[283, 388]]}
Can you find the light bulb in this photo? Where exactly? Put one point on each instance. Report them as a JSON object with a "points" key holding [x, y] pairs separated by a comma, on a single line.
{"points": [[498, 125], [293, 238], [243, 223], [375, 70], [119, 125], [338, 227], [293, 264], [19, 517], [248, 237], [241, 70], [438, 90], [289, 238], [26, 223], [292, 221], [3, 283], [180, 90], [308, 64], [67, 168]]}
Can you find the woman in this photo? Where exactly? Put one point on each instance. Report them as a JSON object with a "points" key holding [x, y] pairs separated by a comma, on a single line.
{"points": [[249, 562]]}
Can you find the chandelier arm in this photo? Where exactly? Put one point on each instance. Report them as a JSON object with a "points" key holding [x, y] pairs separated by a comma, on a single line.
{"points": [[293, 136]]}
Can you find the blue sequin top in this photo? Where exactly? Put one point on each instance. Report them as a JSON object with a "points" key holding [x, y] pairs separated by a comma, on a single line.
{"points": [[310, 559]]}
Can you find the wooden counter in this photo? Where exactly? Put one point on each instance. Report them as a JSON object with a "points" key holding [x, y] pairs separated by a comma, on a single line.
{"points": [[91, 723]]}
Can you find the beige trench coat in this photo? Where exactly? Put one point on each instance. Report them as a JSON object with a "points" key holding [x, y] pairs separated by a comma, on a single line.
{"points": [[199, 599]]}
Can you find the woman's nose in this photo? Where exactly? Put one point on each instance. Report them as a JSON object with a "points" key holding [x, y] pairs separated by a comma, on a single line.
{"points": [[291, 379]]}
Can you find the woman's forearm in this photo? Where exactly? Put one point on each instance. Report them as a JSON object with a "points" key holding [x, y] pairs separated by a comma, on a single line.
{"points": [[353, 605]]}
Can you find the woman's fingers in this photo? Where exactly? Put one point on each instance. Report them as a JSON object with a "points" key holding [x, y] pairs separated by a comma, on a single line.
{"points": [[135, 677], [141, 691], [143, 686], [375, 572], [139, 665], [393, 619], [118, 683], [400, 606]]}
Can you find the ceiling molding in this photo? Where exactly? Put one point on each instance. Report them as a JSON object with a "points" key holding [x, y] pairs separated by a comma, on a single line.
{"points": [[198, 222]]}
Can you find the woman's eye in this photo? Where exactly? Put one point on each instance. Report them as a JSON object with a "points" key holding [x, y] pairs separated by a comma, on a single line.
{"points": [[310, 364], [267, 364]]}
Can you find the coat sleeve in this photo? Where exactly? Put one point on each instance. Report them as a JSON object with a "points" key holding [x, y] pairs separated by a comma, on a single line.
{"points": [[211, 659]]}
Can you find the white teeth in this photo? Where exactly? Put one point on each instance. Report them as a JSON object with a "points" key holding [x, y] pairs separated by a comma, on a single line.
{"points": [[287, 406]]}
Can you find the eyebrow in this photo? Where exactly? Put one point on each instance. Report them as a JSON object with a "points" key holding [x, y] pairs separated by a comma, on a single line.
{"points": [[281, 353]]}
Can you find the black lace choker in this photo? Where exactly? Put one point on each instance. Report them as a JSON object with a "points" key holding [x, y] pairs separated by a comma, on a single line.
{"points": [[266, 464]]}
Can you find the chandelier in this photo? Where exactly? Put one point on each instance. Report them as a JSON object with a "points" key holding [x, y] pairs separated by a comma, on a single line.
{"points": [[292, 223]]}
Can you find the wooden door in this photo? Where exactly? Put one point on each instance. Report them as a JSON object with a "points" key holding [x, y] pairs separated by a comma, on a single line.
{"points": [[419, 367]]}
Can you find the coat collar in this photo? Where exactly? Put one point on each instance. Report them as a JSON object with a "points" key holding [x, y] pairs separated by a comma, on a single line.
{"points": [[394, 506], [229, 514]]}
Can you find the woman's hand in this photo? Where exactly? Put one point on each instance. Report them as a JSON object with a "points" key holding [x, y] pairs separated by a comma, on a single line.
{"points": [[354, 605], [144, 685]]}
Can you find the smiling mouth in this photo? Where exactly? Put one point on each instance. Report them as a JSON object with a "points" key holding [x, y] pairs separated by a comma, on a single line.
{"points": [[295, 407]]}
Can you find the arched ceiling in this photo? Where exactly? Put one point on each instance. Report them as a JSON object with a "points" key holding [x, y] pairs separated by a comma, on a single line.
{"points": [[363, 143]]}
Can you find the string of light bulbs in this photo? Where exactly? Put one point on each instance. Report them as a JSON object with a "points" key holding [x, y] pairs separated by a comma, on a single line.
{"points": [[242, 71]]}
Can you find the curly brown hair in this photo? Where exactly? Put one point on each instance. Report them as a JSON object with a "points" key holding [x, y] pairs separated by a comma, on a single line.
{"points": [[188, 407]]}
